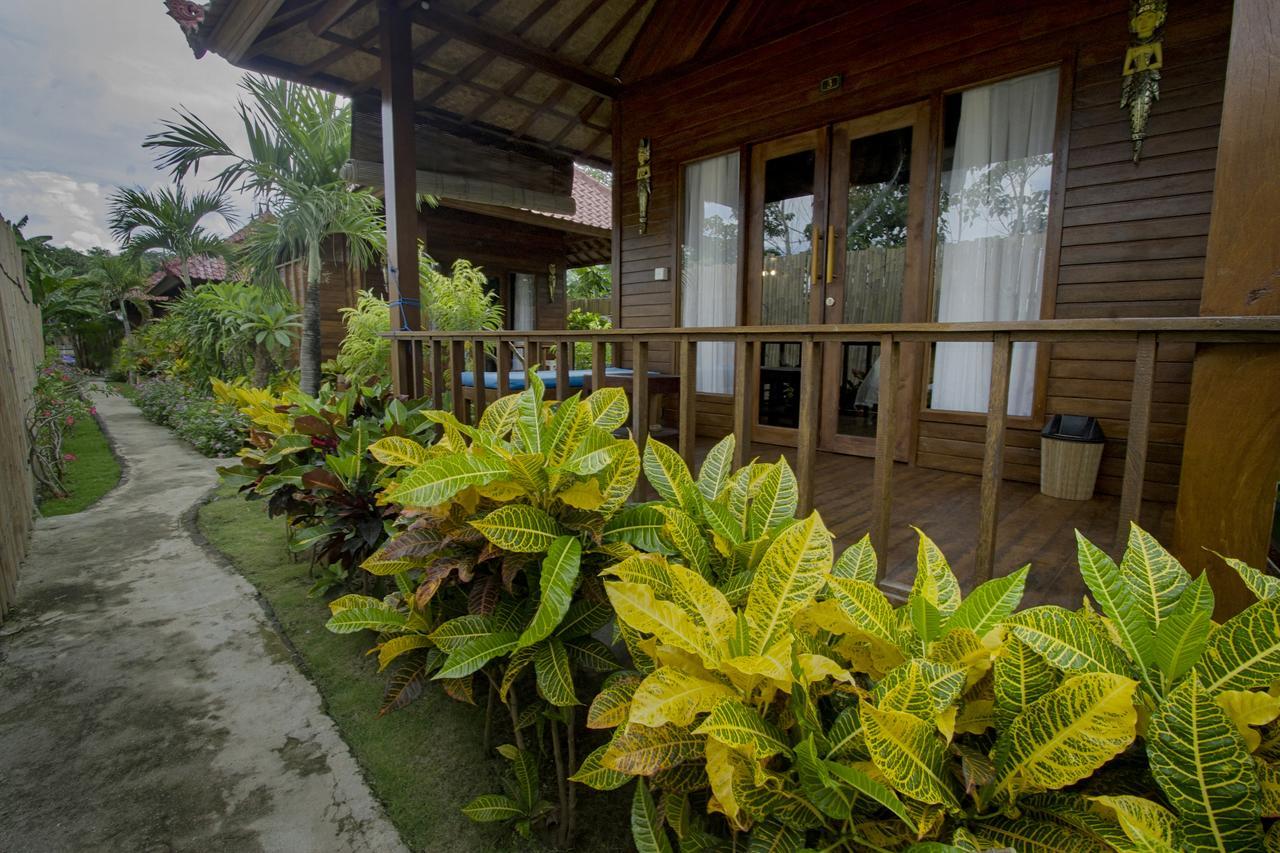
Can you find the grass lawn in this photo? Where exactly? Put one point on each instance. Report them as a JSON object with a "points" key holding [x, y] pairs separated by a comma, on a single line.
{"points": [[94, 472], [424, 762]]}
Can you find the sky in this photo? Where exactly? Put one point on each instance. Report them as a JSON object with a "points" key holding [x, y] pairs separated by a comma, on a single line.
{"points": [[81, 84]]}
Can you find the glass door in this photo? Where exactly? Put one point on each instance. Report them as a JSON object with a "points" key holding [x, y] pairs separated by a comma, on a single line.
{"points": [[788, 211], [873, 270]]}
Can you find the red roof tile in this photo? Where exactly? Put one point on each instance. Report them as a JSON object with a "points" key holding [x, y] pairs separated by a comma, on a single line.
{"points": [[201, 268], [594, 203]]}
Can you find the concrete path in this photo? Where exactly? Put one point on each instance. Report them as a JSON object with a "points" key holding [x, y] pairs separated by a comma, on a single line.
{"points": [[146, 702]]}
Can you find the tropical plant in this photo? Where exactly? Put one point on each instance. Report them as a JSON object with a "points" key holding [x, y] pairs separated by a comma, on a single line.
{"points": [[504, 527], [211, 426], [168, 221], [592, 282], [121, 283], [787, 694], [298, 140], [460, 301], [580, 319], [58, 400], [312, 459], [364, 356], [522, 804]]}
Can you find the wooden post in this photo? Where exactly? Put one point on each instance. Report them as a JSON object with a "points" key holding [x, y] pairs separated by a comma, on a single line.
{"points": [[640, 392], [807, 431], [564, 361], [477, 376], [504, 367], [1135, 452], [597, 365], [882, 482], [688, 400], [993, 457], [399, 156], [437, 375], [457, 361], [743, 365]]}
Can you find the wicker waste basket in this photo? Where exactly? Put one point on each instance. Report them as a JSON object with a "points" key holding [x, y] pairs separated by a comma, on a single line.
{"points": [[1070, 452]]}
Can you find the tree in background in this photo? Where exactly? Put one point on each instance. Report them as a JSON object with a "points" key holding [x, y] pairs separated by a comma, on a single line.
{"points": [[589, 282], [169, 221], [298, 139]]}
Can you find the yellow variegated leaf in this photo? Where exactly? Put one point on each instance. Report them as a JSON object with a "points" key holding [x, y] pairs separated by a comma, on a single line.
{"points": [[923, 688], [857, 562], [643, 751], [398, 451], [1154, 577], [499, 416], [636, 605], [825, 615], [520, 528], [670, 695], [935, 582], [437, 480], [396, 646], [962, 648], [742, 728], [908, 751], [1068, 640], [720, 771], [669, 476], [568, 427], [1021, 676], [1261, 585], [789, 575], [620, 477], [976, 716], [713, 476], [1064, 736], [346, 602], [867, 608], [1030, 835], [609, 408], [774, 665], [1204, 770], [595, 775], [530, 471], [1244, 652], [705, 604], [683, 532], [500, 490], [1149, 826], [613, 703], [651, 570], [1249, 708], [1269, 785], [375, 564], [584, 494], [815, 668]]}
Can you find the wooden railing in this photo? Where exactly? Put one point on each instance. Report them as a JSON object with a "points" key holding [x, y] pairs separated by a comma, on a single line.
{"points": [[1145, 334]]}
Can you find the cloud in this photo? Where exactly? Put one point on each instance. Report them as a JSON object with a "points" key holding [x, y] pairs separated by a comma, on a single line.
{"points": [[81, 85]]}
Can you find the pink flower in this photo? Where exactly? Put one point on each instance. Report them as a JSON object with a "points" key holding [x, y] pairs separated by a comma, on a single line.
{"points": [[66, 378], [69, 457], [70, 420], [93, 410], [46, 413]]}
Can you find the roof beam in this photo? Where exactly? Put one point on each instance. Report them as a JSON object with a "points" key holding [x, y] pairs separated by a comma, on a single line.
{"points": [[329, 14], [239, 28], [481, 35]]}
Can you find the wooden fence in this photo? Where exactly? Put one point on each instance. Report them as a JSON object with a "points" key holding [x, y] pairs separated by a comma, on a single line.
{"points": [[21, 343], [596, 305]]}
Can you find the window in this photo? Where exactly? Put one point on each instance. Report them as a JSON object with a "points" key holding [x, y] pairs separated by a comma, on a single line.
{"points": [[709, 263], [997, 168]]}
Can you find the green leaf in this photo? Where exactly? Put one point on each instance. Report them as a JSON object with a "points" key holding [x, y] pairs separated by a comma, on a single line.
{"points": [[642, 751], [380, 617], [910, 754], [646, 826], [865, 785], [845, 736], [399, 451], [713, 476], [775, 502], [609, 408], [922, 688], [583, 618], [559, 575], [684, 534], [925, 618], [1149, 826], [525, 768], [456, 633], [476, 653], [789, 575], [935, 581], [520, 528], [867, 607], [1020, 677], [774, 836], [595, 775], [742, 728], [590, 653], [528, 426], [490, 808], [670, 695], [1114, 592], [858, 562], [1064, 736], [1261, 585], [1183, 634], [1067, 640], [555, 678], [1028, 835], [397, 646], [1201, 764], [1154, 576], [620, 477], [1244, 652], [612, 704], [640, 526], [990, 604], [669, 476], [438, 480]]}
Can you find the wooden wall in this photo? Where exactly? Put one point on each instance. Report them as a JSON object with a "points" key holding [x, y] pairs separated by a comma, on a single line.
{"points": [[21, 348], [1132, 238], [339, 285]]}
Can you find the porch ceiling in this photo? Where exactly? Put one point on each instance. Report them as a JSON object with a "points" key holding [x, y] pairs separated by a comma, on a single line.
{"points": [[540, 72]]}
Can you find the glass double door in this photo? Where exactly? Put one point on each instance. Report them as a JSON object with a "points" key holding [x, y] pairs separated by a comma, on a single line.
{"points": [[836, 237]]}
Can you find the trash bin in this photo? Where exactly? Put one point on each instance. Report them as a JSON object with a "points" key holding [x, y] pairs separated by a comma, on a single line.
{"points": [[1070, 451]]}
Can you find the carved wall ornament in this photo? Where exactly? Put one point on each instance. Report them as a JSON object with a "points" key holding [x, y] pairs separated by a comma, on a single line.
{"points": [[643, 182], [1142, 63]]}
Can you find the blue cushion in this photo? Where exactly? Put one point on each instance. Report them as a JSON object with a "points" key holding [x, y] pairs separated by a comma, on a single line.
{"points": [[516, 379]]}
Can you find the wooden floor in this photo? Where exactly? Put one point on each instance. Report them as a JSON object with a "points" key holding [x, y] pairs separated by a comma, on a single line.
{"points": [[1033, 528]]}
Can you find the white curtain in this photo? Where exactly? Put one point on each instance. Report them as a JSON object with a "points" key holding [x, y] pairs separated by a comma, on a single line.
{"points": [[522, 313], [992, 234], [709, 268]]}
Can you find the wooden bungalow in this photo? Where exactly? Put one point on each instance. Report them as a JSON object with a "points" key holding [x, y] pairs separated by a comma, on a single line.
{"points": [[887, 239]]}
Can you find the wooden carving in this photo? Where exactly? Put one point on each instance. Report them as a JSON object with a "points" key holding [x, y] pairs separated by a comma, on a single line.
{"points": [[643, 185], [1142, 64]]}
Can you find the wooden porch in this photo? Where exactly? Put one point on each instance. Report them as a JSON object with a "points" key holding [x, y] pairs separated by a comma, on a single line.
{"points": [[1032, 528]]}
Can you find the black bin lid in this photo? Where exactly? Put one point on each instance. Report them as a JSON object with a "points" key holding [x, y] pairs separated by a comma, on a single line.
{"points": [[1074, 428]]}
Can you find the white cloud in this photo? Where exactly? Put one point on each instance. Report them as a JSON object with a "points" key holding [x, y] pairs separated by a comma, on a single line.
{"points": [[81, 85]]}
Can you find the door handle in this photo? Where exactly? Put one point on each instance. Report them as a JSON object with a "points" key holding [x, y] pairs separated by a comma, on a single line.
{"points": [[814, 251], [831, 254]]}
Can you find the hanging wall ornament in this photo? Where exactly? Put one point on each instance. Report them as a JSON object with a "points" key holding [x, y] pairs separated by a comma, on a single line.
{"points": [[1142, 64], [643, 185]]}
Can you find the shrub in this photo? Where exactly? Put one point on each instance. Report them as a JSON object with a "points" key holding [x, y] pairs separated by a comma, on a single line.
{"points": [[364, 354], [579, 319], [59, 400], [213, 427]]}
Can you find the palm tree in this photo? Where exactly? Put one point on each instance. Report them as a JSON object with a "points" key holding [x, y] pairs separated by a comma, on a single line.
{"points": [[169, 220], [121, 281], [298, 140]]}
